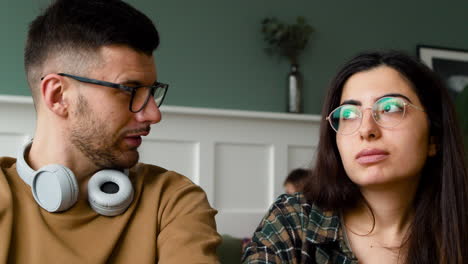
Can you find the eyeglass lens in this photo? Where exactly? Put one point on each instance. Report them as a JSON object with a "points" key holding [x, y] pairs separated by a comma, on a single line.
{"points": [[387, 112], [142, 95]]}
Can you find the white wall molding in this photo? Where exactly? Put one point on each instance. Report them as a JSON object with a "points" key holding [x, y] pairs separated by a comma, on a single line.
{"points": [[17, 99], [240, 158]]}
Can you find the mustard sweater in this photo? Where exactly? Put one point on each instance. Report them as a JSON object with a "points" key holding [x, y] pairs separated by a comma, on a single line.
{"points": [[169, 221]]}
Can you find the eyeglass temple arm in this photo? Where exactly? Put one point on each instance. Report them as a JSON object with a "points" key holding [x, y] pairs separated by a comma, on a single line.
{"points": [[98, 82], [415, 106]]}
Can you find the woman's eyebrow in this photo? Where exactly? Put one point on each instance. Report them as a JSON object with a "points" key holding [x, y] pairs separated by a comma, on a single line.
{"points": [[351, 102], [356, 102], [394, 95]]}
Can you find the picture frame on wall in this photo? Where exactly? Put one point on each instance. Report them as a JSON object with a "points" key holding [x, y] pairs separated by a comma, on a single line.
{"points": [[452, 66]]}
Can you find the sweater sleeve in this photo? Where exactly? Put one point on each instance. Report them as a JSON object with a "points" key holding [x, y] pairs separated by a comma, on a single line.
{"points": [[188, 229]]}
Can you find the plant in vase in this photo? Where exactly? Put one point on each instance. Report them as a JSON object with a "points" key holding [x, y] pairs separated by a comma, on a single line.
{"points": [[288, 41]]}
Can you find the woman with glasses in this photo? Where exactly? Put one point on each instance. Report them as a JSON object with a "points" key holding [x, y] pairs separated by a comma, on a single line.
{"points": [[390, 179]]}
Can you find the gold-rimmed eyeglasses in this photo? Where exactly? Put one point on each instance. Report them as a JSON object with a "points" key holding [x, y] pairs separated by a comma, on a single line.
{"points": [[387, 112]]}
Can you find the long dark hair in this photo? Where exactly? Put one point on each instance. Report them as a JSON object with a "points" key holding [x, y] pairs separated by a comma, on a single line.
{"points": [[439, 233]]}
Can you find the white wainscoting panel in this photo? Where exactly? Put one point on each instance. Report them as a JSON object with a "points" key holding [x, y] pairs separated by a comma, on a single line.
{"points": [[9, 142], [246, 165], [179, 154], [240, 158], [300, 157]]}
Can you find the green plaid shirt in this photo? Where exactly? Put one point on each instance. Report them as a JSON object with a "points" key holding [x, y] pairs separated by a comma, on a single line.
{"points": [[295, 231]]}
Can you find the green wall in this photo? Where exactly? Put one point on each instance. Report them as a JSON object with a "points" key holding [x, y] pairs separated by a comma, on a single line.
{"points": [[212, 51]]}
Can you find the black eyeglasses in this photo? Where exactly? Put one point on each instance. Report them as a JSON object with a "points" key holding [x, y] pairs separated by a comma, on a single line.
{"points": [[139, 94]]}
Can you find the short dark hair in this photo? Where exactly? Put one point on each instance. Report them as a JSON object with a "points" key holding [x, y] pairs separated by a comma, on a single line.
{"points": [[441, 198], [75, 26], [297, 177]]}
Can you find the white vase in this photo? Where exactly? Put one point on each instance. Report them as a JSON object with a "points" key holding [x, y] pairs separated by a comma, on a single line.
{"points": [[294, 90]]}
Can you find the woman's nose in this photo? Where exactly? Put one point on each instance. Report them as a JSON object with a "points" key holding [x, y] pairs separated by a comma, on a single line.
{"points": [[369, 128]]}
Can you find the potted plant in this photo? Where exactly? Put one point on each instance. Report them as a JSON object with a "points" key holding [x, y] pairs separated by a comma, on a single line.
{"points": [[288, 41]]}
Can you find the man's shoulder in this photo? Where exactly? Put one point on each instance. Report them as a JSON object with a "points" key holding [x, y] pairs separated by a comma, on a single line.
{"points": [[6, 165], [7, 180], [7, 162]]}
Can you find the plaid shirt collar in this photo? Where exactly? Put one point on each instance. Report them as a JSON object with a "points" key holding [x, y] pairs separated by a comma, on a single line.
{"points": [[324, 226]]}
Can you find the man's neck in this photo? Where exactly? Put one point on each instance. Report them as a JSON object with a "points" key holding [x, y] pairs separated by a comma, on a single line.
{"points": [[53, 150]]}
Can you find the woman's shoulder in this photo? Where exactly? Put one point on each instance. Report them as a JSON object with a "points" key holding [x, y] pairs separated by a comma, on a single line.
{"points": [[292, 225], [293, 211], [297, 202], [320, 225]]}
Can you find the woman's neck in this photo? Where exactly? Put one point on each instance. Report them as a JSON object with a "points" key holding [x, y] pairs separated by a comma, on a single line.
{"points": [[385, 213]]}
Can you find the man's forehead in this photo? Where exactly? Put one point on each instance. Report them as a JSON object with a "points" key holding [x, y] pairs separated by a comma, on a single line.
{"points": [[123, 64], [124, 53]]}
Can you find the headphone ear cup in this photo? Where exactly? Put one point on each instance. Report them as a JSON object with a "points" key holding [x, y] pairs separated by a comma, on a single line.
{"points": [[54, 188], [105, 203]]}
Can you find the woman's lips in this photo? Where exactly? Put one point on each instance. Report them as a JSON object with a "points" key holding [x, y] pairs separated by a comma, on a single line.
{"points": [[369, 156]]}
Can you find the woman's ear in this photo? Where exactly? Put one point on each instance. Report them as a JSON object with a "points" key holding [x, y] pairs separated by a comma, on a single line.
{"points": [[433, 147], [53, 94]]}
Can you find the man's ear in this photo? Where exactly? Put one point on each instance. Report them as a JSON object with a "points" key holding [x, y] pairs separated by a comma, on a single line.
{"points": [[53, 94], [433, 147]]}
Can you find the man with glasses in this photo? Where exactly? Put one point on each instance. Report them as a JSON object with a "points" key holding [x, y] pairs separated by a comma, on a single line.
{"points": [[76, 193]]}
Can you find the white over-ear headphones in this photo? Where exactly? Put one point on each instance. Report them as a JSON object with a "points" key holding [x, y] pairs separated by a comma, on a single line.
{"points": [[55, 188]]}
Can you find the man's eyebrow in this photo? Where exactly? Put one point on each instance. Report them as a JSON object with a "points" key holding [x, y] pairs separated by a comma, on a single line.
{"points": [[132, 83]]}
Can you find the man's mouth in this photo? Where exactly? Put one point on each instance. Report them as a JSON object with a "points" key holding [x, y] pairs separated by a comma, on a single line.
{"points": [[133, 138], [133, 141]]}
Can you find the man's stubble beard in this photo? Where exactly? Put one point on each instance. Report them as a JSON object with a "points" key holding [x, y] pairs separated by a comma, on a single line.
{"points": [[92, 138]]}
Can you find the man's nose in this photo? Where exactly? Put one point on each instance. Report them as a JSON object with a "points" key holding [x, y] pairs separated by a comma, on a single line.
{"points": [[150, 113]]}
